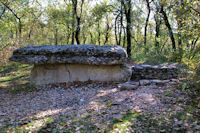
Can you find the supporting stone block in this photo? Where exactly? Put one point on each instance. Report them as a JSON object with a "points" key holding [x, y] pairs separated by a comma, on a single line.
{"points": [[61, 73]]}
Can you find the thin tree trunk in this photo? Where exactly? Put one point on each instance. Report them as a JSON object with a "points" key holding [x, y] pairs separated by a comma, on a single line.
{"points": [[56, 36], [124, 39], [84, 38], [107, 31], [169, 28], [99, 34], [68, 35], [20, 30], [78, 19], [128, 30], [77, 35], [116, 37], [1, 15], [11, 34], [147, 21], [121, 24], [127, 8], [73, 25], [158, 22], [91, 38]]}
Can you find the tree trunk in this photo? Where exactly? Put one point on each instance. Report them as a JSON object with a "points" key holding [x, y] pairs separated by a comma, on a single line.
{"points": [[127, 8], [121, 25], [56, 36], [73, 27], [107, 30], [29, 34], [84, 38], [73, 20], [147, 21], [158, 22], [20, 30], [128, 32], [78, 19], [77, 30], [124, 39], [91, 38], [99, 34], [116, 36], [169, 28], [1, 15], [68, 35]]}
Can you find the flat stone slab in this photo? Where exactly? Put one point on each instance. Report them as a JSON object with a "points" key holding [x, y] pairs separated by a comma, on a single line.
{"points": [[70, 54], [61, 73], [128, 86]]}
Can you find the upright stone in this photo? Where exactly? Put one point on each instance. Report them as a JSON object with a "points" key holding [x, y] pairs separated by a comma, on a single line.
{"points": [[68, 63]]}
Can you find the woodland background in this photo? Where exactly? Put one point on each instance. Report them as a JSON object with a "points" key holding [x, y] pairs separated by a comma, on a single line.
{"points": [[152, 31]]}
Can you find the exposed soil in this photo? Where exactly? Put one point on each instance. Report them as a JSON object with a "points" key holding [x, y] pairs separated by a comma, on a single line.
{"points": [[68, 103]]}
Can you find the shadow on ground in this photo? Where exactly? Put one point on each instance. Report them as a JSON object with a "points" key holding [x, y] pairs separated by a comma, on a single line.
{"points": [[91, 107], [15, 77]]}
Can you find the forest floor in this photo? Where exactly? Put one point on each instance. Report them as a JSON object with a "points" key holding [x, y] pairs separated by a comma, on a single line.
{"points": [[92, 107]]}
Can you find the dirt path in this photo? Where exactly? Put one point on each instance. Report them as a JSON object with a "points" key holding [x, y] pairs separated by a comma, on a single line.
{"points": [[88, 107]]}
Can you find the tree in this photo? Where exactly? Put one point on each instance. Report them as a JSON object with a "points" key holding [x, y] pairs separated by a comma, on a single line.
{"points": [[16, 9], [78, 18], [2, 11], [127, 8], [147, 21], [168, 26]]}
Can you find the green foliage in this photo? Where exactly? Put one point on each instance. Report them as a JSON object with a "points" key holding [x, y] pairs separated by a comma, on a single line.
{"points": [[150, 54], [15, 77], [193, 76]]}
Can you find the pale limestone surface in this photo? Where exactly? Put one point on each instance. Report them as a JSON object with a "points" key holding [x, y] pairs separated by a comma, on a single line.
{"points": [[61, 73]]}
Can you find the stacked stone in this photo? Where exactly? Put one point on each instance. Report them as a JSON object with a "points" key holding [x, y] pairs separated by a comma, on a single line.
{"points": [[161, 72], [68, 63], [147, 75]]}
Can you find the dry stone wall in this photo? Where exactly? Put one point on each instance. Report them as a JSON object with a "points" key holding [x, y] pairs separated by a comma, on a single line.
{"points": [[161, 72]]}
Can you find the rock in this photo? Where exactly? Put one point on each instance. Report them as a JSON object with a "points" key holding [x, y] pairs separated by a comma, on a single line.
{"points": [[144, 82], [160, 82], [174, 80], [128, 86], [68, 63], [2, 114], [117, 116], [71, 54], [61, 73]]}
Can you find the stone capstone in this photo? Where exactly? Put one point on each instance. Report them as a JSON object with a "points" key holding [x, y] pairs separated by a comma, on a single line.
{"points": [[68, 63], [70, 54]]}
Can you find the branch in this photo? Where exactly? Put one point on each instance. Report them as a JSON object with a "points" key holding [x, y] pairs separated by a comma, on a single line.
{"points": [[10, 10], [4, 9], [81, 8], [195, 10]]}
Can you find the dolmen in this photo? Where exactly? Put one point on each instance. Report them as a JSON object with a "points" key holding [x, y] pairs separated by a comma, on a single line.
{"points": [[68, 63]]}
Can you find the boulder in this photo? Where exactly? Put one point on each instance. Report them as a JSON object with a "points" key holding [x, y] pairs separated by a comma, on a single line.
{"points": [[144, 82], [68, 63], [128, 86], [71, 54], [160, 82]]}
